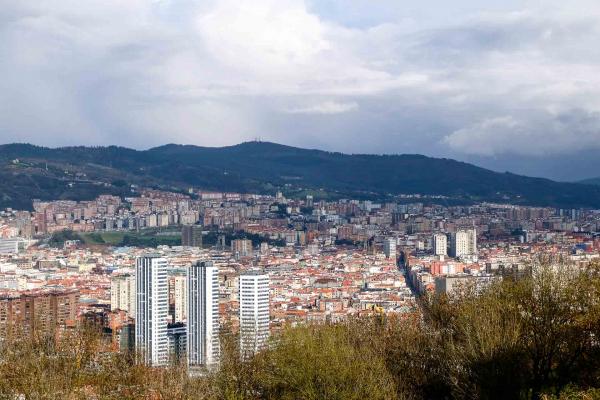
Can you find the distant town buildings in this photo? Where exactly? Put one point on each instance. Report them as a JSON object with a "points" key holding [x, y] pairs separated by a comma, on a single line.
{"points": [[241, 247], [191, 235], [318, 261]]}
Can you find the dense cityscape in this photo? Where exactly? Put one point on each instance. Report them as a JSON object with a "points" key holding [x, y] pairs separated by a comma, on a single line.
{"points": [[299, 200], [254, 264]]}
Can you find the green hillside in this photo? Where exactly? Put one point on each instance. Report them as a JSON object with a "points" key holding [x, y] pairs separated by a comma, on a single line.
{"points": [[84, 172]]}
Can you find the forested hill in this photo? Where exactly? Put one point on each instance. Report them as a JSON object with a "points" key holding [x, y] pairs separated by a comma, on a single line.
{"points": [[591, 181], [29, 172]]}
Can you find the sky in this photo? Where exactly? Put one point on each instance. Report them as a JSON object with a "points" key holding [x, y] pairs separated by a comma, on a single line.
{"points": [[507, 84]]}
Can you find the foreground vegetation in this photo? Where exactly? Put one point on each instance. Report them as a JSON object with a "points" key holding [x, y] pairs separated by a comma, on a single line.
{"points": [[531, 339]]}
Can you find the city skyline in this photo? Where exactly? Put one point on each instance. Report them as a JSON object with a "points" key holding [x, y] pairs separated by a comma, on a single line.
{"points": [[270, 268], [299, 199]]}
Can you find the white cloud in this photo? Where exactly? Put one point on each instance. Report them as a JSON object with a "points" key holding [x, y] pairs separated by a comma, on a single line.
{"points": [[539, 134], [327, 107], [266, 36], [506, 78], [485, 137]]}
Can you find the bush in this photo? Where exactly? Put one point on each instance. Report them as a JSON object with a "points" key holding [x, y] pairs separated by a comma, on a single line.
{"points": [[325, 362], [530, 339]]}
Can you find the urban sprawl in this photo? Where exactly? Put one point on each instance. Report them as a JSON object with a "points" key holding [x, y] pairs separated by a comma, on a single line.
{"points": [[253, 264]]}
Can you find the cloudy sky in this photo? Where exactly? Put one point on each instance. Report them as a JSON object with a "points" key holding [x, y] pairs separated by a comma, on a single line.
{"points": [[512, 84]]}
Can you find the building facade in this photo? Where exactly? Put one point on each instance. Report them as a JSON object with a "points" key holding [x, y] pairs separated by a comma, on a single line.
{"points": [[254, 311], [389, 248], [8, 246], [122, 293], [177, 341], [203, 314], [191, 236], [43, 312], [440, 244], [241, 247], [180, 298], [464, 243], [152, 308]]}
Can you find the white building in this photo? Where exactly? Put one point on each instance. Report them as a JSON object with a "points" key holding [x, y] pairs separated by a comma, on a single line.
{"points": [[152, 308], [254, 311], [203, 314], [450, 284], [122, 293], [8, 246], [389, 248], [464, 243], [440, 244]]}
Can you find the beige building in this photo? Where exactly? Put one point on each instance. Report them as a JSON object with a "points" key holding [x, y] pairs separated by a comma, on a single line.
{"points": [[241, 247], [180, 297], [122, 293]]}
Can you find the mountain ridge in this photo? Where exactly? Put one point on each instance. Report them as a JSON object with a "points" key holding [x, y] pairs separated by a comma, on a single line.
{"points": [[591, 181], [79, 172]]}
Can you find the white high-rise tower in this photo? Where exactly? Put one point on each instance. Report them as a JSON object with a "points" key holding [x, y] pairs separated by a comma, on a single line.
{"points": [[440, 244], [203, 314], [254, 311], [152, 308], [464, 243]]}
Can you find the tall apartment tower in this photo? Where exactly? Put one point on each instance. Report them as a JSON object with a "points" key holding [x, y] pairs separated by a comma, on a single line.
{"points": [[152, 308], [464, 243], [389, 248], [440, 244], [191, 236], [122, 293], [203, 314], [180, 298], [254, 311]]}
